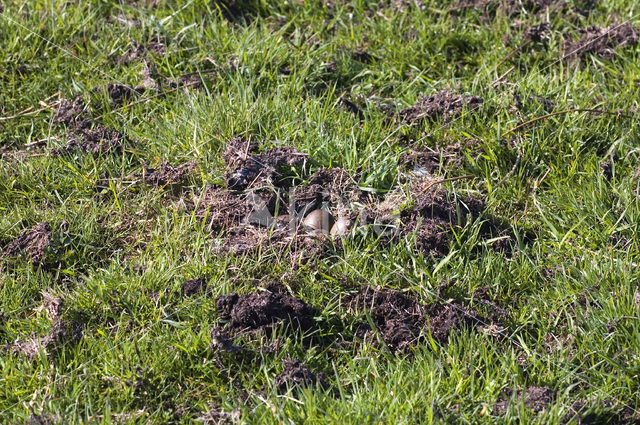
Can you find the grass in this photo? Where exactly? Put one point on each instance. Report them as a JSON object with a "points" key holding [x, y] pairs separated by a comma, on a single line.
{"points": [[119, 256]]}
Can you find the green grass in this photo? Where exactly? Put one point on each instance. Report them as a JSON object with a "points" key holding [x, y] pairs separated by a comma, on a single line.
{"points": [[144, 356]]}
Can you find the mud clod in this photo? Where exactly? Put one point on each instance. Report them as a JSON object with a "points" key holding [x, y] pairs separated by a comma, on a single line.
{"points": [[400, 319], [296, 374], [222, 209], [432, 217], [32, 242], [534, 398], [538, 33], [194, 286], [166, 174], [249, 169], [601, 41], [264, 309], [96, 140], [119, 93], [443, 105], [70, 112]]}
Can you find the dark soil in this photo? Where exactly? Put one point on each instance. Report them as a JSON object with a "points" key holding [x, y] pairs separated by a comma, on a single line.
{"points": [[166, 174], [538, 33], [194, 286], [441, 105], [220, 208], [138, 51], [601, 41], [265, 309], [119, 93], [84, 133], [96, 140], [433, 215], [32, 242], [333, 187], [249, 169], [428, 161], [296, 374], [352, 107], [70, 112], [44, 419], [534, 398], [400, 319]]}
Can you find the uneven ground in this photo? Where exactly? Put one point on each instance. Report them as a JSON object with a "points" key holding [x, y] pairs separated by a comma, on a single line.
{"points": [[157, 157]]}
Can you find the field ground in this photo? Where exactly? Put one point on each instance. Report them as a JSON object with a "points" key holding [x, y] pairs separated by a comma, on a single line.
{"points": [[157, 158]]}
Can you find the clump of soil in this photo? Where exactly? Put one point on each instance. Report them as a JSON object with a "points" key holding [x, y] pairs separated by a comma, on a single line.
{"points": [[264, 310], [222, 209], [194, 286], [85, 134], [434, 213], [138, 51], [119, 93], [332, 186], [166, 174], [538, 33], [534, 398], [602, 41], [296, 374], [400, 319], [32, 242], [441, 105], [96, 140], [250, 169], [428, 161], [70, 112]]}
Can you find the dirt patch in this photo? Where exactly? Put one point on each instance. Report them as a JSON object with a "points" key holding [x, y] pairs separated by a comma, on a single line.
{"points": [[32, 242], [139, 51], [264, 310], [70, 112], [85, 134], [215, 415], [249, 169], [534, 398], [333, 188], [400, 319], [119, 93], [296, 374], [221, 209], [443, 105], [44, 419], [434, 213], [95, 140], [538, 33], [352, 107], [601, 41], [362, 55], [194, 286], [166, 174], [429, 161]]}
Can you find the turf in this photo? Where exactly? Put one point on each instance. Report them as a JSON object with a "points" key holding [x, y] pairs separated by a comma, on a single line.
{"points": [[138, 349]]}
